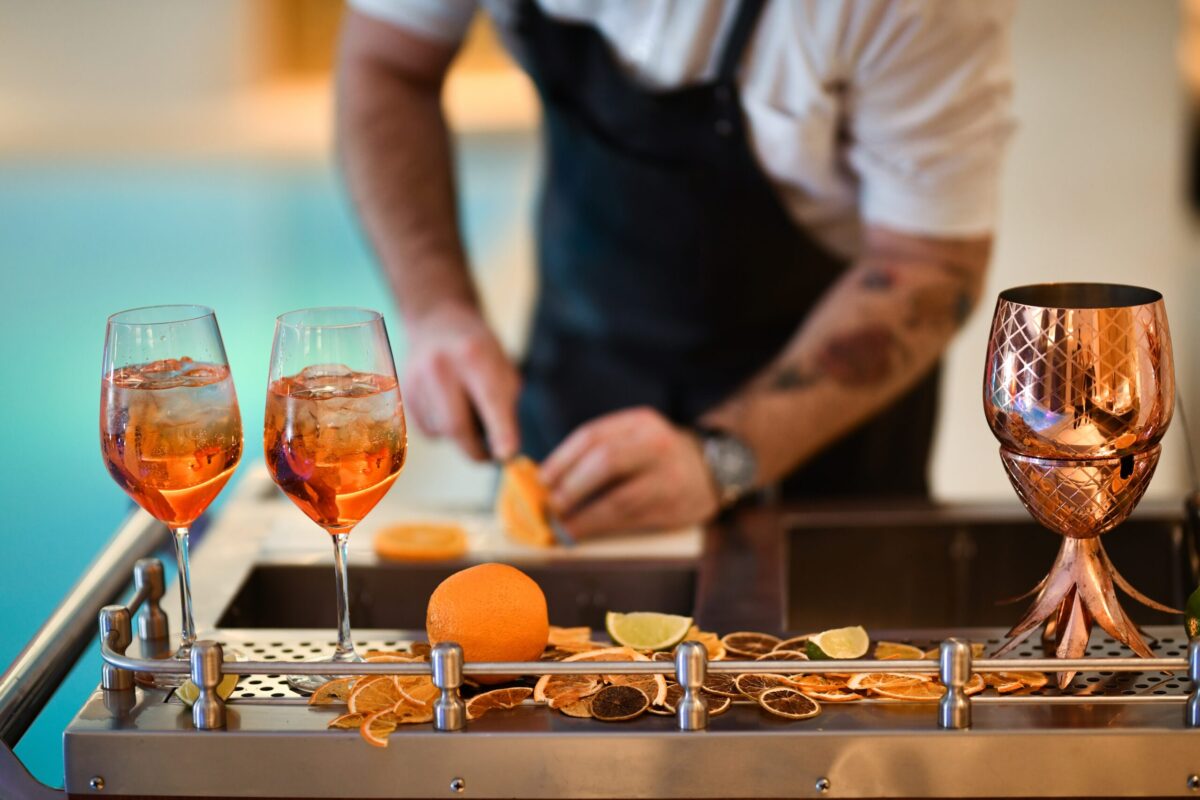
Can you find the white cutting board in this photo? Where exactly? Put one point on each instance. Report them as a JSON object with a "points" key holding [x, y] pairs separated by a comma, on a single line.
{"points": [[290, 533]]}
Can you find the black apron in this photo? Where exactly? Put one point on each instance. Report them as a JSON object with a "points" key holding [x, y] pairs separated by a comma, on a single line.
{"points": [[670, 272]]}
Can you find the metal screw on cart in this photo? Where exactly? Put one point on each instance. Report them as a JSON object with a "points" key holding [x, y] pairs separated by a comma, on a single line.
{"points": [[153, 630], [208, 712], [116, 631], [458, 785], [954, 665], [1193, 782], [97, 783], [449, 711], [1192, 710], [822, 785], [691, 669]]}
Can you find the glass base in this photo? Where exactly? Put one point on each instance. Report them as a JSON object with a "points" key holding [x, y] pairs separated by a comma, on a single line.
{"points": [[307, 684]]}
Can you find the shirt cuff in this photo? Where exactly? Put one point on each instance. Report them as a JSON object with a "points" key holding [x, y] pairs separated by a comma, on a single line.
{"points": [[442, 20]]}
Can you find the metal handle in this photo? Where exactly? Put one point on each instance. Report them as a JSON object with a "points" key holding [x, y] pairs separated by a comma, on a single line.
{"points": [[954, 665], [39, 669], [449, 711], [691, 670]]}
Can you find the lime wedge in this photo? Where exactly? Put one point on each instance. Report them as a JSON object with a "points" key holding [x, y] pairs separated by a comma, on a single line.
{"points": [[839, 643], [187, 691], [647, 630], [1192, 615]]}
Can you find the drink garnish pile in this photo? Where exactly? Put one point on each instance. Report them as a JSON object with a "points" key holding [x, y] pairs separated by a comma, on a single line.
{"points": [[377, 705]]}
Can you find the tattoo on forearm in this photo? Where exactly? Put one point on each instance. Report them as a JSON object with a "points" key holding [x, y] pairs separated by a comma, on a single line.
{"points": [[790, 376], [865, 356]]}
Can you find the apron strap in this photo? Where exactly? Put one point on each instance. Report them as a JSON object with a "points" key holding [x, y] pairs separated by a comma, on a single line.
{"points": [[739, 36]]}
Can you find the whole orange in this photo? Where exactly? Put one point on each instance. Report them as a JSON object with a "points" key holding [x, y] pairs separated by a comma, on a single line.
{"points": [[494, 611]]}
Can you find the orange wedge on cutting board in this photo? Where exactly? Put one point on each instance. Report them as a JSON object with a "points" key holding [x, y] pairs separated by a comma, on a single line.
{"points": [[522, 504]]}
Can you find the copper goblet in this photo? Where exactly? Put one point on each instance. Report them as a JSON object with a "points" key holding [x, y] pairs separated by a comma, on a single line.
{"points": [[1079, 389]]}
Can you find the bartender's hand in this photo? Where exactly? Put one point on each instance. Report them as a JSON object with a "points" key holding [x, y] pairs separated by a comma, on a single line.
{"points": [[459, 379], [629, 470]]}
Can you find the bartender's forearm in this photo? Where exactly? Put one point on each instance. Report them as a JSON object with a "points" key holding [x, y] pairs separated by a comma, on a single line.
{"points": [[877, 331], [395, 152]]}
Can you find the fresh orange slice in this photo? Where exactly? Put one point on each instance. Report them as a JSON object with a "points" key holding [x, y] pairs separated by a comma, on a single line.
{"points": [[421, 541], [783, 701], [480, 704], [522, 504], [376, 727], [919, 692], [334, 691], [749, 644], [373, 694]]}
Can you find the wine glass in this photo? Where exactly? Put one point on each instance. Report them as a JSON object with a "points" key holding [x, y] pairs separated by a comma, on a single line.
{"points": [[334, 431], [170, 430]]}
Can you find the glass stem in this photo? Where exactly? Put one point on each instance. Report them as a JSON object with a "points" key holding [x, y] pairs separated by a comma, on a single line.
{"points": [[345, 646], [185, 588]]}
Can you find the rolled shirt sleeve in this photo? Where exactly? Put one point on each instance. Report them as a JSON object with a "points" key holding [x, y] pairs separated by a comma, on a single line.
{"points": [[928, 112], [441, 20]]}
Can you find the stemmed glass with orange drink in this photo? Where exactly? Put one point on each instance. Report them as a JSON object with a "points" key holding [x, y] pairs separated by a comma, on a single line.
{"points": [[334, 432], [170, 429]]}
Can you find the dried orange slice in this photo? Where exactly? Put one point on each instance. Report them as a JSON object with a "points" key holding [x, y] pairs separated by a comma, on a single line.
{"points": [[783, 701], [816, 683], [653, 686], [421, 541], [407, 714], [376, 727], [722, 684], [420, 692], [919, 692], [974, 685], [783, 655], [420, 649], [581, 708], [563, 690], [833, 695], [870, 680], [480, 704], [711, 642], [749, 644], [669, 702], [1012, 682], [718, 705], [898, 651], [522, 504], [354, 719], [560, 636], [373, 694], [609, 654], [619, 703], [394, 656], [334, 691], [752, 684], [794, 643]]}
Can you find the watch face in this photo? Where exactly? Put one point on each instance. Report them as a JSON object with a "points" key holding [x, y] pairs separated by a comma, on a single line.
{"points": [[731, 462]]}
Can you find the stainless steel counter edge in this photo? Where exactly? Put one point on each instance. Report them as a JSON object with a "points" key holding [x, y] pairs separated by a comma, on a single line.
{"points": [[525, 754]]}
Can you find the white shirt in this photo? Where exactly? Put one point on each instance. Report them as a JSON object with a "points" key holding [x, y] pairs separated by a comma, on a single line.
{"points": [[892, 112]]}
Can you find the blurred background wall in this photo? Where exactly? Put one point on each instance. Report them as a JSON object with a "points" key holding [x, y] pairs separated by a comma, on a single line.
{"points": [[158, 151]]}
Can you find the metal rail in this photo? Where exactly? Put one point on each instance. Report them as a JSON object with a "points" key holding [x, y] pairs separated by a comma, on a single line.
{"points": [[689, 665], [37, 671]]}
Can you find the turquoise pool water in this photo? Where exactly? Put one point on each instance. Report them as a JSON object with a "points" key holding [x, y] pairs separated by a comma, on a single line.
{"points": [[78, 242]]}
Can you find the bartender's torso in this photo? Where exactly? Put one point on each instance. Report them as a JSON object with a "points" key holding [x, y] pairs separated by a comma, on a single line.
{"points": [[892, 113]]}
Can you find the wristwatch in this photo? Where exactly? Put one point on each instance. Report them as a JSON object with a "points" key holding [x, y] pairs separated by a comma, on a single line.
{"points": [[731, 463]]}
